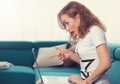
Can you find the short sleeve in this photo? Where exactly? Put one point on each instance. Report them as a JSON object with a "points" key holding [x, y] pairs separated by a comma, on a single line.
{"points": [[98, 36]]}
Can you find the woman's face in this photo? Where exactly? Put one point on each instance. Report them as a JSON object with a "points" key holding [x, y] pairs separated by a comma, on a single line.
{"points": [[71, 24]]}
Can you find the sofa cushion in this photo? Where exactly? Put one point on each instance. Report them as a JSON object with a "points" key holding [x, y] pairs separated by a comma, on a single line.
{"points": [[48, 43], [117, 54], [112, 48], [17, 57], [60, 69], [15, 45], [17, 75], [115, 73], [43, 59], [17, 53], [57, 71]]}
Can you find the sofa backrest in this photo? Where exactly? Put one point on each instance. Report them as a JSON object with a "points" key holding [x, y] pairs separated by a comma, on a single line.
{"points": [[114, 76], [114, 51], [17, 52], [41, 44]]}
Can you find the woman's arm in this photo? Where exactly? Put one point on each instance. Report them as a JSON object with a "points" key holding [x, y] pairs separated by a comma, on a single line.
{"points": [[64, 54], [104, 64], [74, 57]]}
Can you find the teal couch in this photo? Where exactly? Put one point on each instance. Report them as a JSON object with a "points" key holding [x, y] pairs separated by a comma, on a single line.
{"points": [[19, 53]]}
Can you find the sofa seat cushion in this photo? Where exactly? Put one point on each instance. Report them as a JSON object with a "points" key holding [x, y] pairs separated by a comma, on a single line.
{"points": [[17, 75], [57, 71], [115, 73], [60, 69]]}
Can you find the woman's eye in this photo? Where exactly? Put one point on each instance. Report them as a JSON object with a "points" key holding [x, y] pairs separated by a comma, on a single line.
{"points": [[67, 23]]}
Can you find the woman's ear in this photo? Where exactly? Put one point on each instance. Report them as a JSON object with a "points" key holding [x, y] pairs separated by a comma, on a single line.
{"points": [[77, 16]]}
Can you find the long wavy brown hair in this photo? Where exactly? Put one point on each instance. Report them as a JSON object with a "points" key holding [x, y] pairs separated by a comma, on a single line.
{"points": [[87, 18]]}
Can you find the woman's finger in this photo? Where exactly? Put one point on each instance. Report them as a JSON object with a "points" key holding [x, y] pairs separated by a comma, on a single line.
{"points": [[53, 55], [63, 58]]}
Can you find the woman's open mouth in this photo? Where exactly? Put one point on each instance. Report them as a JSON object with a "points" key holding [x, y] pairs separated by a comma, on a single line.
{"points": [[73, 34]]}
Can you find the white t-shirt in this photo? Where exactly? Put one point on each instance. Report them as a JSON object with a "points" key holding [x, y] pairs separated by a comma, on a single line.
{"points": [[86, 49]]}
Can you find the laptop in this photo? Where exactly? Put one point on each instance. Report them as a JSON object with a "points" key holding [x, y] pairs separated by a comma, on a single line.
{"points": [[55, 80], [51, 79]]}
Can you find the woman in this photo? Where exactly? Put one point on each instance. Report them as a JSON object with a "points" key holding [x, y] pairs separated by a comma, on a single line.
{"points": [[91, 49], [88, 38]]}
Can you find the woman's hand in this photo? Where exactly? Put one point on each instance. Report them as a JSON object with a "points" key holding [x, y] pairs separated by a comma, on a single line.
{"points": [[76, 79], [63, 54]]}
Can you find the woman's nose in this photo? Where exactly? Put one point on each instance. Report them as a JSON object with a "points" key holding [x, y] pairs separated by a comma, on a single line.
{"points": [[67, 28]]}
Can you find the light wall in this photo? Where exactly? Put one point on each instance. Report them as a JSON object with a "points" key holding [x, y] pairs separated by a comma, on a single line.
{"points": [[36, 20]]}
